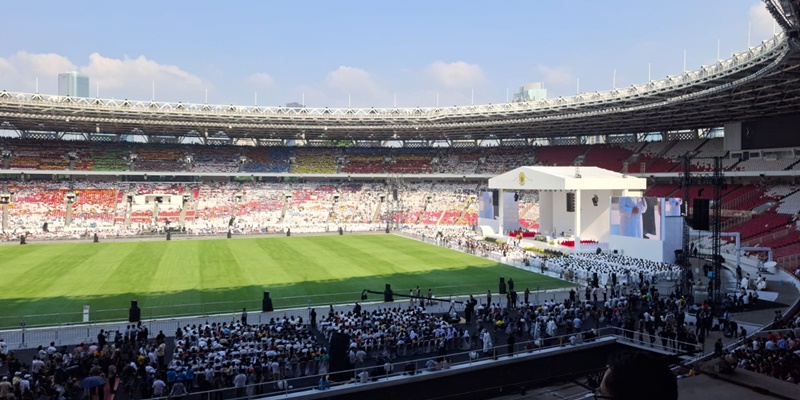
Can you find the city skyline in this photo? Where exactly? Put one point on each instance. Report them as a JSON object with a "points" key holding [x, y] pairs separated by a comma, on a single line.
{"points": [[369, 55]]}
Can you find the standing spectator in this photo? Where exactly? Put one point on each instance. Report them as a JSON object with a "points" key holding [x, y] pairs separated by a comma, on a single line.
{"points": [[244, 316], [239, 382], [101, 339], [178, 390], [158, 387]]}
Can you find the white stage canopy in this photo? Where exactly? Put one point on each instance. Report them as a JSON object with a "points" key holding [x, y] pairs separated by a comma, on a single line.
{"points": [[574, 202], [565, 178]]}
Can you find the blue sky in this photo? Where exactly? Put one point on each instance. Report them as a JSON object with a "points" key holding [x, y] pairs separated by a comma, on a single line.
{"points": [[370, 51]]}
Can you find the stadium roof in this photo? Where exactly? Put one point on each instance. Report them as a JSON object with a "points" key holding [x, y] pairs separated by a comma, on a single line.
{"points": [[760, 82]]}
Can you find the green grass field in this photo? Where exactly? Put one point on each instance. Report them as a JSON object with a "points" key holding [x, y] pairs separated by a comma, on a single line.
{"points": [[191, 277]]}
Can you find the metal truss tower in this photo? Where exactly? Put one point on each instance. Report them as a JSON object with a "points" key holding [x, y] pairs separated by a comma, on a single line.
{"points": [[717, 182], [686, 261]]}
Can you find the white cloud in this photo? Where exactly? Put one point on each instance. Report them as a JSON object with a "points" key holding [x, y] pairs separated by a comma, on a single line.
{"points": [[355, 80], [20, 71], [761, 22], [555, 76], [130, 78], [351, 86], [133, 77], [261, 80], [43, 65], [458, 74], [5, 66]]}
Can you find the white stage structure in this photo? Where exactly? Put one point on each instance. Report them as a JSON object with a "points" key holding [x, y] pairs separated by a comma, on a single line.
{"points": [[591, 188]]}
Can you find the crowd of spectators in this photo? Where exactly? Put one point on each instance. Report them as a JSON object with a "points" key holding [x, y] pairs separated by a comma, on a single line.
{"points": [[115, 156], [392, 332], [776, 354], [244, 359]]}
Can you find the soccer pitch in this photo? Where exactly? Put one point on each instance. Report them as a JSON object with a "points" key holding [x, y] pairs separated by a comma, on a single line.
{"points": [[205, 276]]}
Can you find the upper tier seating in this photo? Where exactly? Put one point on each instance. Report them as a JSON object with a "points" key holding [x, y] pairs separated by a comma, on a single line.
{"points": [[500, 160], [663, 191], [104, 157], [459, 161], [607, 156], [161, 158], [214, 159], [763, 164], [315, 161], [562, 156]]}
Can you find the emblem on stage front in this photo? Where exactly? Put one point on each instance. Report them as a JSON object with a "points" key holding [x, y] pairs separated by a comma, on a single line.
{"points": [[521, 178]]}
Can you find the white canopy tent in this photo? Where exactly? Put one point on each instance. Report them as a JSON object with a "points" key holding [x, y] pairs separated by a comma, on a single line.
{"points": [[590, 187]]}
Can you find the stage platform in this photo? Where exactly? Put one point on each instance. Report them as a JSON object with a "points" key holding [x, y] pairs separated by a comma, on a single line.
{"points": [[530, 242]]}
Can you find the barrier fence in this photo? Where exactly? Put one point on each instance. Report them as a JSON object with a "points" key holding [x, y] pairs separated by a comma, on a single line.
{"points": [[28, 336], [235, 307]]}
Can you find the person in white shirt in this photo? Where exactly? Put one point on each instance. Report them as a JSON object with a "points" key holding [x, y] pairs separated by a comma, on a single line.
{"points": [[487, 341], [551, 328]]}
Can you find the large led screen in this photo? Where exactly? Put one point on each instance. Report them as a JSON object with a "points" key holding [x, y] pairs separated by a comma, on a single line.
{"points": [[637, 217]]}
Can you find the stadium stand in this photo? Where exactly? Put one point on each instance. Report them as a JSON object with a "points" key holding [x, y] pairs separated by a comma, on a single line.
{"points": [[214, 159], [458, 161], [500, 160], [756, 208], [559, 155], [607, 156], [315, 161], [166, 158]]}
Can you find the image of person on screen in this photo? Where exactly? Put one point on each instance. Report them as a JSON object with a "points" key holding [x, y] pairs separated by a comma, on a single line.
{"points": [[649, 228], [674, 207], [485, 209], [630, 216]]}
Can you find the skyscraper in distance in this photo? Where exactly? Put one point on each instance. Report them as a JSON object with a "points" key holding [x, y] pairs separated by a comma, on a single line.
{"points": [[73, 84]]}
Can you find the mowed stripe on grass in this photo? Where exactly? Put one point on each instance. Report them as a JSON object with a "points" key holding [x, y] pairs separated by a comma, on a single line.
{"points": [[61, 278]]}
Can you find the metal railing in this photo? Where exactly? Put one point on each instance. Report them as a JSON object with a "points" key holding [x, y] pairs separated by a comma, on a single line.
{"points": [[467, 353]]}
